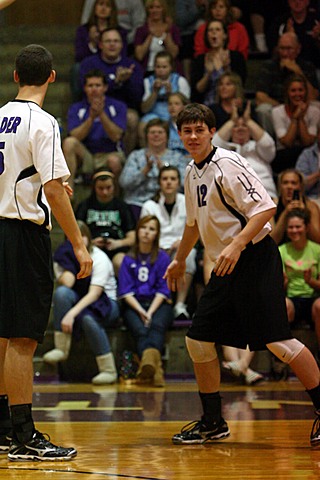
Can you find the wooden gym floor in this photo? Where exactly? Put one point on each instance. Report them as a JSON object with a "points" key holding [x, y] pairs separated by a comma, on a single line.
{"points": [[123, 432]]}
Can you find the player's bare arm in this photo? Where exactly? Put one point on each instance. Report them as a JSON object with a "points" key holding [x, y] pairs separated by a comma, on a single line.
{"points": [[229, 256], [176, 270], [5, 3], [62, 210]]}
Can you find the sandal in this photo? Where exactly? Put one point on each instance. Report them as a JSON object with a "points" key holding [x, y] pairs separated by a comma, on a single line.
{"points": [[232, 368], [253, 378]]}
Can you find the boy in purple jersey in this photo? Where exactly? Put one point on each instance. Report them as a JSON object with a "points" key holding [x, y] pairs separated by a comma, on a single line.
{"points": [[243, 303], [32, 171], [147, 312]]}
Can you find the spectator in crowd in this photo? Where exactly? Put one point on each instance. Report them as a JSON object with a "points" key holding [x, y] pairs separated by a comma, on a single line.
{"points": [[301, 269], [291, 197], [157, 34], [229, 93], [157, 88], [208, 67], [89, 305], [168, 205], [104, 15], [305, 23], [176, 102], [109, 219], [124, 77], [147, 311], [270, 84], [238, 38], [188, 14], [257, 16], [96, 126], [243, 135], [139, 177], [308, 165], [131, 15], [295, 123]]}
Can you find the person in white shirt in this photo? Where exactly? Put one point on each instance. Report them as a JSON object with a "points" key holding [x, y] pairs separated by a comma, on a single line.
{"points": [[244, 136], [168, 205]]}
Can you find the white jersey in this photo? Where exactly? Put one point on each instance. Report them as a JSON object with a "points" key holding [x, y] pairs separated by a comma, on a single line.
{"points": [[221, 197], [30, 156]]}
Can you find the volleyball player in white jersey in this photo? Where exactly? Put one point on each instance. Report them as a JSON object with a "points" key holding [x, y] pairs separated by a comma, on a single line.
{"points": [[32, 171], [243, 303]]}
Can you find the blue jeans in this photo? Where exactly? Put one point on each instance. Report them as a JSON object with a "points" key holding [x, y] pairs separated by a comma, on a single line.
{"points": [[64, 299], [154, 335]]}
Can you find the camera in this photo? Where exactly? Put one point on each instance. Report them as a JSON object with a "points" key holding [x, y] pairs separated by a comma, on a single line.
{"points": [[105, 235], [296, 195]]}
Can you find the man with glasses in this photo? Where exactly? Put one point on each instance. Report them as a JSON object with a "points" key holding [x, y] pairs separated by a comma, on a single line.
{"points": [[124, 77]]}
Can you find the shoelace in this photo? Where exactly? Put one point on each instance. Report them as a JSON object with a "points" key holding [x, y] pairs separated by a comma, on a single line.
{"points": [[190, 427], [42, 437]]}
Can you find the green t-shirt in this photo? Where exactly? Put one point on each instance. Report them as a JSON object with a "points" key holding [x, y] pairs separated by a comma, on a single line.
{"points": [[295, 262]]}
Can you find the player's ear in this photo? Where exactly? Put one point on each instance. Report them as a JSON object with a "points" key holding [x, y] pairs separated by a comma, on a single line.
{"points": [[52, 76], [15, 76], [212, 131]]}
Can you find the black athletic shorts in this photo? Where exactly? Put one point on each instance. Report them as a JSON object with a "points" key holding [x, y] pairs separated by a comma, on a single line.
{"points": [[26, 279], [248, 306], [303, 311]]}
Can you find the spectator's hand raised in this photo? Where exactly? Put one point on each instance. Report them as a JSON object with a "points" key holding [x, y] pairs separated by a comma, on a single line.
{"points": [[247, 112], [124, 73]]}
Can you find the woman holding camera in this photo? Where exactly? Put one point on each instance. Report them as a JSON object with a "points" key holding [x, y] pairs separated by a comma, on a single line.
{"points": [[291, 197], [109, 219]]}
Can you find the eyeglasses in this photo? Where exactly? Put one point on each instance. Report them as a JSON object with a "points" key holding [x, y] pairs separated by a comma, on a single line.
{"points": [[111, 41]]}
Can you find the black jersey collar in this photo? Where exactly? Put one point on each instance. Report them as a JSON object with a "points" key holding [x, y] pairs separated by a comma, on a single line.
{"points": [[206, 160]]}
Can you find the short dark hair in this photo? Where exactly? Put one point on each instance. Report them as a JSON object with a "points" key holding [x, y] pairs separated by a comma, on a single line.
{"points": [[164, 54], [95, 73], [225, 29], [110, 29], [304, 215], [166, 168], [33, 65], [196, 112]]}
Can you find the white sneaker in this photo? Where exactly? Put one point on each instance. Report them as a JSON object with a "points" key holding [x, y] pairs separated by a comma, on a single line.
{"points": [[180, 310]]}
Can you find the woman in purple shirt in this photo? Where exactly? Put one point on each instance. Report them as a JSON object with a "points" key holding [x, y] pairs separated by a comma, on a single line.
{"points": [[147, 309]]}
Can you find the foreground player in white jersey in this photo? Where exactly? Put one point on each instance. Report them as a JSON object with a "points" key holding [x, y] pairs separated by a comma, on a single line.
{"points": [[32, 171], [243, 303]]}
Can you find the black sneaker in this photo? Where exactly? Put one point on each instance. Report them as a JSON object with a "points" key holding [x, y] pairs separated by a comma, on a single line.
{"points": [[5, 442], [39, 448], [198, 432], [315, 432]]}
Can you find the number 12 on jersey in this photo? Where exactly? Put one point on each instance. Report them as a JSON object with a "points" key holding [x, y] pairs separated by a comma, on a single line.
{"points": [[201, 195]]}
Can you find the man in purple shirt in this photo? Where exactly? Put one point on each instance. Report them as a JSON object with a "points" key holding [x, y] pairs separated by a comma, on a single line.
{"points": [[96, 126], [124, 76]]}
